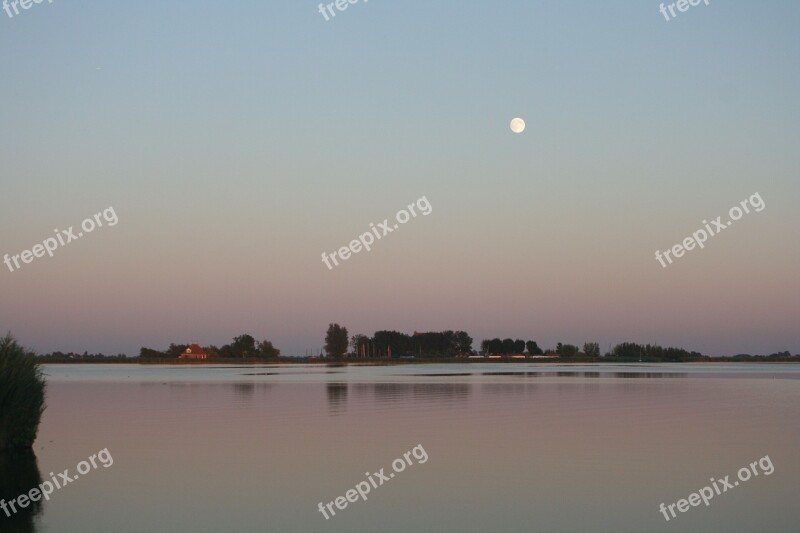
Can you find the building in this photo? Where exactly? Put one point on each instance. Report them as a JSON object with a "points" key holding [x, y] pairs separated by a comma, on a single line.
{"points": [[194, 351]]}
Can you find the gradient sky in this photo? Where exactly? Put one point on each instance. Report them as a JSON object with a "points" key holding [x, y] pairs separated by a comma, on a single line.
{"points": [[238, 141]]}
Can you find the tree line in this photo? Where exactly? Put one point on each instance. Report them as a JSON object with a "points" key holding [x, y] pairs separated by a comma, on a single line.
{"points": [[393, 344], [386, 343], [243, 346]]}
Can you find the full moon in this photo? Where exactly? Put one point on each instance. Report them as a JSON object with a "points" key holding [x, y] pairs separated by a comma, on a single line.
{"points": [[517, 125]]}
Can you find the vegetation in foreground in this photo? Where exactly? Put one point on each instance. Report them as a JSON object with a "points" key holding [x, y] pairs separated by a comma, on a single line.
{"points": [[22, 389]]}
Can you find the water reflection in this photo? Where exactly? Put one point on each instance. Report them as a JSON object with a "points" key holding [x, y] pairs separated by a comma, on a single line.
{"points": [[208, 393], [655, 375], [19, 473], [398, 392], [337, 397], [441, 375], [244, 391], [533, 439], [507, 389], [594, 375], [518, 374]]}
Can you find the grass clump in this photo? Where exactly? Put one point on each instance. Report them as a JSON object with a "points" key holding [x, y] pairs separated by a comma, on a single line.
{"points": [[21, 396]]}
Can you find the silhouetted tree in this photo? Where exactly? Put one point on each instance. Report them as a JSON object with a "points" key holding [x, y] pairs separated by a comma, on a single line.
{"points": [[212, 351], [266, 349], [633, 351], [591, 349], [243, 346], [226, 351], [533, 348], [398, 343], [175, 350], [360, 344], [508, 346], [485, 346], [495, 346], [463, 342], [336, 340], [148, 352], [566, 350]]}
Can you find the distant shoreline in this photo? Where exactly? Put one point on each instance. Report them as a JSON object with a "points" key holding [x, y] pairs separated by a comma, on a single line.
{"points": [[392, 362]]}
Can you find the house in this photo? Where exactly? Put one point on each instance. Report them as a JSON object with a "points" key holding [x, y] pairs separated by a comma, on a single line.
{"points": [[194, 351]]}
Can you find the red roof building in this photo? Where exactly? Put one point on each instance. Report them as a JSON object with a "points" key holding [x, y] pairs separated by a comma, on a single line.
{"points": [[194, 351]]}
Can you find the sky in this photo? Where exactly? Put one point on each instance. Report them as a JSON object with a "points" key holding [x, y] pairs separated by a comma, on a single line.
{"points": [[236, 142]]}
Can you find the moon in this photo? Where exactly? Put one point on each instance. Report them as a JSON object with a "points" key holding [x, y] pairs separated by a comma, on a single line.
{"points": [[517, 125]]}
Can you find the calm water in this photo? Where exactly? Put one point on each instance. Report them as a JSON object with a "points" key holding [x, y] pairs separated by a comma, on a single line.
{"points": [[511, 447]]}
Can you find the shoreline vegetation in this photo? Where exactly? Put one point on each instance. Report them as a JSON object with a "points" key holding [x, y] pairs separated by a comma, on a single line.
{"points": [[387, 362], [395, 348], [22, 396]]}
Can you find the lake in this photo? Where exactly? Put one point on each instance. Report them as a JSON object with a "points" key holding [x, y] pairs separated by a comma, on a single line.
{"points": [[495, 447]]}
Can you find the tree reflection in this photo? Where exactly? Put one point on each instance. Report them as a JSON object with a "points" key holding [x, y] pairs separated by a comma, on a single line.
{"points": [[337, 396], [398, 392], [244, 391]]}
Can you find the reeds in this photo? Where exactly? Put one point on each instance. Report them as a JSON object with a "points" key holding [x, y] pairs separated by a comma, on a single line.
{"points": [[21, 396]]}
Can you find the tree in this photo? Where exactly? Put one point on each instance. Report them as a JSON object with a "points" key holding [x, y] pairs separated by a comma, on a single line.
{"points": [[397, 343], [435, 343], [336, 340], [360, 345], [448, 343], [175, 350], [628, 350], [243, 346], [519, 346], [633, 351], [266, 349], [147, 352], [533, 348], [591, 349], [567, 350], [508, 346], [212, 351], [226, 351], [485, 343], [495, 346], [463, 342]]}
